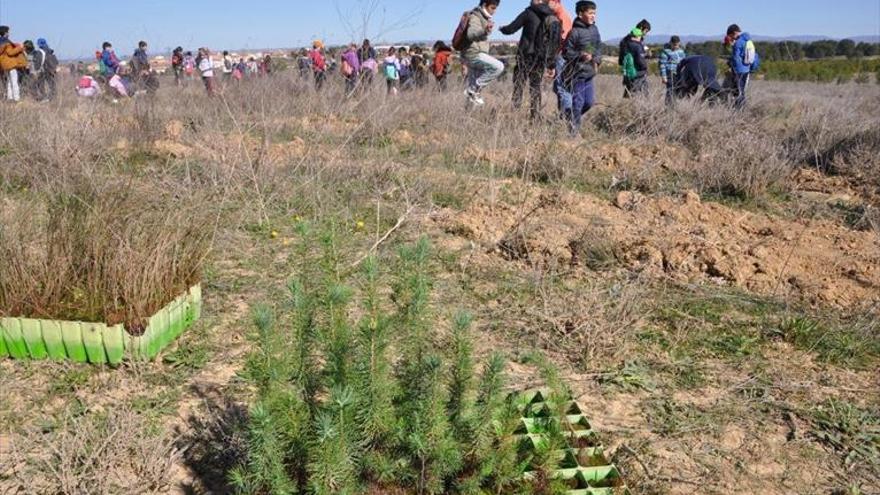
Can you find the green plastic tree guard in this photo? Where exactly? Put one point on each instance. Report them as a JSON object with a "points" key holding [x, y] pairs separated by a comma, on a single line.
{"points": [[14, 339], [54, 339], [93, 340], [114, 343], [71, 333], [97, 343], [33, 339]]}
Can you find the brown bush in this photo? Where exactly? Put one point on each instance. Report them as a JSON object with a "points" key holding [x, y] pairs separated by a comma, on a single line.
{"points": [[101, 251], [114, 452]]}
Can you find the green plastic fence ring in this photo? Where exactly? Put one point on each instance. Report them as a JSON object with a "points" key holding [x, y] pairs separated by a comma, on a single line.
{"points": [[176, 313], [114, 343], [4, 352], [196, 294], [54, 339], [14, 339], [71, 333], [33, 338], [93, 340]]}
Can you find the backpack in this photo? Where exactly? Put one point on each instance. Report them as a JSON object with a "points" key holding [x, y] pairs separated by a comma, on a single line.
{"points": [[749, 53], [102, 68], [391, 72], [405, 71], [347, 69], [460, 40], [548, 39], [751, 58], [50, 62], [629, 67]]}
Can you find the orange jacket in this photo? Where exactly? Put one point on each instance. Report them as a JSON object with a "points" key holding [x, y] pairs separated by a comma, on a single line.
{"points": [[12, 57]]}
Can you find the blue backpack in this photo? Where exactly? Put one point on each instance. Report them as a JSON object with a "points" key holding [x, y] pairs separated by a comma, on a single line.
{"points": [[391, 72]]}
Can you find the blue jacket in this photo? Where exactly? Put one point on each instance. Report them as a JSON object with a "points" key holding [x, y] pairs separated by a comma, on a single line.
{"points": [[694, 72], [738, 56], [669, 60], [110, 61]]}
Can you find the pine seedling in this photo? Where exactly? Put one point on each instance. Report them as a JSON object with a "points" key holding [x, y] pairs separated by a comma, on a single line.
{"points": [[461, 376], [333, 465], [412, 296], [265, 470], [306, 373], [373, 365]]}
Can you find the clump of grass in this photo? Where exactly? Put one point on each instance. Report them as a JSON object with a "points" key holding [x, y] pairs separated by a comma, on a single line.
{"points": [[334, 414], [849, 430], [853, 343], [101, 252]]}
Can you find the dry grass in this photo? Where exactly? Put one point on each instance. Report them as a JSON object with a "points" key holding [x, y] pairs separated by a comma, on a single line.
{"points": [[102, 251], [107, 453]]}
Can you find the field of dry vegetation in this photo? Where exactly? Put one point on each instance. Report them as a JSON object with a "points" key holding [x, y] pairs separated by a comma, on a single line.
{"points": [[708, 282]]}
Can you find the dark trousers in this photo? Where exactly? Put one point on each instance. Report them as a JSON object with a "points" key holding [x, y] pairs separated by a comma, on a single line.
{"points": [[320, 77], [633, 87], [583, 97], [351, 83], [742, 86], [670, 89], [531, 71], [44, 86]]}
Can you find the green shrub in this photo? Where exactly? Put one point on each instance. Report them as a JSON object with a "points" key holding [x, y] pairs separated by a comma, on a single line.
{"points": [[335, 414]]}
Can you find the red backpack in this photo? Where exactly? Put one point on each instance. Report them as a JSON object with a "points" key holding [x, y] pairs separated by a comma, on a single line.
{"points": [[460, 40]]}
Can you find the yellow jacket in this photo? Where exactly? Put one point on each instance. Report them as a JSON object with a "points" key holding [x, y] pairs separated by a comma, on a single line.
{"points": [[12, 56]]}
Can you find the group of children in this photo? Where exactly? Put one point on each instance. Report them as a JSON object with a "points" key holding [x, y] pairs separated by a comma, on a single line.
{"points": [[401, 68], [569, 51], [27, 67], [552, 45]]}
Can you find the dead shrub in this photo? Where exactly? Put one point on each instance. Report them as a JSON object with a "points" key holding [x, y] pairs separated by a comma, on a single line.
{"points": [[743, 163], [101, 251], [101, 453]]}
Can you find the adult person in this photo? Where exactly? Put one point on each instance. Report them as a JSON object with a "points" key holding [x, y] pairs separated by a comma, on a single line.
{"points": [[744, 60], [670, 57], [482, 68], [695, 72], [563, 95], [536, 52], [583, 56], [13, 61]]}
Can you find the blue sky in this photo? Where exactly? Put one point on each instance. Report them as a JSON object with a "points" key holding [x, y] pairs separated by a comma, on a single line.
{"points": [[76, 28]]}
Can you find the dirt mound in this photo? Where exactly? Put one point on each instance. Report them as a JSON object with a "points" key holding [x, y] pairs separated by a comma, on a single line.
{"points": [[682, 238]]}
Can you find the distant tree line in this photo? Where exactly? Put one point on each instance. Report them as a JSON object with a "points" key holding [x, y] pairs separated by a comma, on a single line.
{"points": [[792, 50]]}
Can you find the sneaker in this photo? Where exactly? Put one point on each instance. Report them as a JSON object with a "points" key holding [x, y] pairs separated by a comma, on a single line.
{"points": [[474, 97]]}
